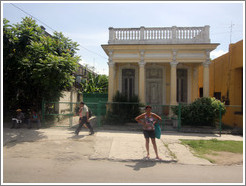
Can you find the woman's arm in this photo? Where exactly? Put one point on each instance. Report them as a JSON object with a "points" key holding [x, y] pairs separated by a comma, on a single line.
{"points": [[138, 118], [156, 117]]}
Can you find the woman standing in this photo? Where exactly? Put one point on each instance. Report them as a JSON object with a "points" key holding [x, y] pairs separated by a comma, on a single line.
{"points": [[148, 120]]}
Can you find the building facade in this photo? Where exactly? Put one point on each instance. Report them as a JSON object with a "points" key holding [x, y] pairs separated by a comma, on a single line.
{"points": [[226, 83], [158, 64]]}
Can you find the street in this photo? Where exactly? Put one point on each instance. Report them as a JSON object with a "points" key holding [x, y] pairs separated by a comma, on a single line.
{"points": [[35, 170], [56, 155]]}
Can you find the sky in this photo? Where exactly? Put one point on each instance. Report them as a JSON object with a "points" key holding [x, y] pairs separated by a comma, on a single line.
{"points": [[87, 22]]}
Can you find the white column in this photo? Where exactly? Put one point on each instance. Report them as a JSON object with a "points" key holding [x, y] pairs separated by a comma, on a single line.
{"points": [[206, 76], [142, 78], [173, 80], [111, 65], [195, 85]]}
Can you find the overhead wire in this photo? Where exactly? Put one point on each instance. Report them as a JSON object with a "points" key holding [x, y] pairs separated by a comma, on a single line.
{"points": [[54, 29], [32, 16]]}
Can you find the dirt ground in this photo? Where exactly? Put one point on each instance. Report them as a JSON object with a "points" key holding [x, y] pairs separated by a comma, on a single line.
{"points": [[76, 148], [226, 158]]}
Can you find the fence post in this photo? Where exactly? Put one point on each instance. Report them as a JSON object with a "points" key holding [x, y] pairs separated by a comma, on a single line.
{"points": [[179, 117], [99, 114], [43, 111], [220, 119], [70, 117]]}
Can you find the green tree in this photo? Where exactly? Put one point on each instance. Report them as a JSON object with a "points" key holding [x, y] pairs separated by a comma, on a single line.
{"points": [[94, 84], [36, 65]]}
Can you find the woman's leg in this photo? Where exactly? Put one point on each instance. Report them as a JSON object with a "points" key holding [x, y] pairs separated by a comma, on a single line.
{"points": [[147, 146], [155, 147]]}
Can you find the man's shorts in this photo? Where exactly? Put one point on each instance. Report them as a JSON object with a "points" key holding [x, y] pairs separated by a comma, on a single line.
{"points": [[149, 133]]}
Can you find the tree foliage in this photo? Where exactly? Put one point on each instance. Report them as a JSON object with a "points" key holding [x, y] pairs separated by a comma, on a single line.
{"points": [[94, 84], [36, 65]]}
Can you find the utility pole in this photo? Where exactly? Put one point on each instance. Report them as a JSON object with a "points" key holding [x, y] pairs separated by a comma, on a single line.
{"points": [[231, 31], [94, 68]]}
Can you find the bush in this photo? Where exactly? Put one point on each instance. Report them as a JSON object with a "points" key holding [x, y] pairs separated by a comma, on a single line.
{"points": [[203, 111], [123, 110]]}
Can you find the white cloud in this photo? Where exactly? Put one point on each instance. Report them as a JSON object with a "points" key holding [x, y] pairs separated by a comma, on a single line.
{"points": [[217, 53]]}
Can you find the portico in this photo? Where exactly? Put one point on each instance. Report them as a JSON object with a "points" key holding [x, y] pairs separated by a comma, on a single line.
{"points": [[160, 65]]}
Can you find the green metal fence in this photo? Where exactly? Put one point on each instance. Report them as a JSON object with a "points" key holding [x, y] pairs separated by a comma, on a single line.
{"points": [[104, 113], [115, 113], [63, 114]]}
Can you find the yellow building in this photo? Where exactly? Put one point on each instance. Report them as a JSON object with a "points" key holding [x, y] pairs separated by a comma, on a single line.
{"points": [[158, 64], [226, 83]]}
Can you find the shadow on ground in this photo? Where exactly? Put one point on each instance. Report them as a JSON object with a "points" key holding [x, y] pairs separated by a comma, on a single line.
{"points": [[147, 163], [12, 137]]}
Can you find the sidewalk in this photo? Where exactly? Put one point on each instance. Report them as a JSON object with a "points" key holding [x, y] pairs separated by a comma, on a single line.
{"points": [[115, 145]]}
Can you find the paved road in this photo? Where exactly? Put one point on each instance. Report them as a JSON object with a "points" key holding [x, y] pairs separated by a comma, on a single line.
{"points": [[57, 155], [36, 170]]}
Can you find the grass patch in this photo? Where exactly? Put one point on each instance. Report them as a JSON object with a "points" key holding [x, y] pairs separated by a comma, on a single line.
{"points": [[202, 147]]}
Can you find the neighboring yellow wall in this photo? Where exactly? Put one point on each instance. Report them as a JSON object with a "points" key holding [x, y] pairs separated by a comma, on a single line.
{"points": [[226, 76], [237, 54]]}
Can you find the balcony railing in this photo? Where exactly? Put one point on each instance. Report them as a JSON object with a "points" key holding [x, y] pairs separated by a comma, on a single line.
{"points": [[159, 35]]}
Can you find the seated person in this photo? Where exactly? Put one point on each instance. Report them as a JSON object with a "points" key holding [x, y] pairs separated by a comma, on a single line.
{"points": [[34, 118], [18, 119]]}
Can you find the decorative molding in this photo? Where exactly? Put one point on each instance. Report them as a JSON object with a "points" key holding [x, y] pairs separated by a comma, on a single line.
{"points": [[158, 55], [208, 55], [110, 56], [111, 63], [126, 55], [206, 63], [141, 64], [110, 52], [191, 55], [142, 56], [174, 63], [174, 55]]}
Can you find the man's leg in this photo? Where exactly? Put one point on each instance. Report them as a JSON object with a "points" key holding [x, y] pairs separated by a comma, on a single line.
{"points": [[90, 128], [78, 129], [13, 124], [38, 124], [81, 122], [18, 124], [29, 124]]}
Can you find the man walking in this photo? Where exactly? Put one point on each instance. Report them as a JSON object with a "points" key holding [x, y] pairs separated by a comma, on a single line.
{"points": [[84, 119]]}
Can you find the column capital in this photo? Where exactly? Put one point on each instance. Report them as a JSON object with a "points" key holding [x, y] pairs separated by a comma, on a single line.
{"points": [[141, 63], [110, 56], [110, 52], [141, 52], [208, 55], [141, 55], [174, 63], [111, 63], [206, 63], [174, 54]]}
